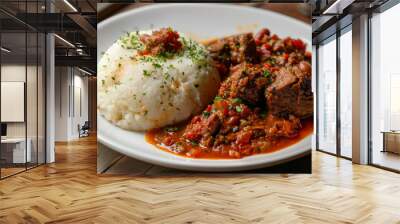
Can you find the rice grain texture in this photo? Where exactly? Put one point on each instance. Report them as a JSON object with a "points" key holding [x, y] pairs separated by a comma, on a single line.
{"points": [[144, 92]]}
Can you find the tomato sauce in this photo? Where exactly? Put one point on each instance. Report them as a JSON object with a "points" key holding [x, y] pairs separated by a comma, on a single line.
{"points": [[156, 136]]}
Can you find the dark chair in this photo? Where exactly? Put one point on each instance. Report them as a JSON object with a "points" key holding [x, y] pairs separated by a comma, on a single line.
{"points": [[84, 130]]}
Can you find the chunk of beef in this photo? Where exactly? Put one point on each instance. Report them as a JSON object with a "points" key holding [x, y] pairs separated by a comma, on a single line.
{"points": [[234, 50], [246, 82], [290, 92], [202, 127]]}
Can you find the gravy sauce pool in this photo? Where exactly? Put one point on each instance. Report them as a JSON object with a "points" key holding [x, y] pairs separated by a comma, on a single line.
{"points": [[155, 137]]}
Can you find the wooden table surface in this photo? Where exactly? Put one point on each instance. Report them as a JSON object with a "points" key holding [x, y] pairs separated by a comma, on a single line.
{"points": [[300, 11], [70, 191], [127, 166]]}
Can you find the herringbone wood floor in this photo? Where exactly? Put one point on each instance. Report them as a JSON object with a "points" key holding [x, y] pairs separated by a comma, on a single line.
{"points": [[69, 191]]}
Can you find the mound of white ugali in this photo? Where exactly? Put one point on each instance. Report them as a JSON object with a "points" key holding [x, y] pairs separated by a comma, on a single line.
{"points": [[138, 91]]}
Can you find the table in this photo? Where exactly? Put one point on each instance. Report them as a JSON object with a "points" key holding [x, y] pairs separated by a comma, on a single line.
{"points": [[391, 141], [114, 163], [13, 150]]}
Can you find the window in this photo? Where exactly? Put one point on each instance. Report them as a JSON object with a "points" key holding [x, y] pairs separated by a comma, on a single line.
{"points": [[327, 96], [22, 77], [346, 93], [385, 89]]}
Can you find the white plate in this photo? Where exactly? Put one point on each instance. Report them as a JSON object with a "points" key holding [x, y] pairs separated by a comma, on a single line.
{"points": [[201, 21]]}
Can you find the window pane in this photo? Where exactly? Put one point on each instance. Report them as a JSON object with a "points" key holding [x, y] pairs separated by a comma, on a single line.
{"points": [[15, 150], [345, 94], [327, 97], [385, 114]]}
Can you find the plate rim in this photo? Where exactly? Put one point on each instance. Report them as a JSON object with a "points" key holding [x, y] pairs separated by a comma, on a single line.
{"points": [[185, 163], [221, 5]]}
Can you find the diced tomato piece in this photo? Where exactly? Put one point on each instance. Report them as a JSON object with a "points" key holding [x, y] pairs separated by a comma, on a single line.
{"points": [[168, 141], [266, 65], [226, 111], [260, 35], [274, 37], [191, 136], [298, 44], [285, 56], [245, 111], [308, 54], [144, 52], [267, 46], [209, 107], [224, 104]]}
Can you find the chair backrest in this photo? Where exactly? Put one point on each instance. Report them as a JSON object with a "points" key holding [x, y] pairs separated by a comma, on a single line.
{"points": [[86, 125]]}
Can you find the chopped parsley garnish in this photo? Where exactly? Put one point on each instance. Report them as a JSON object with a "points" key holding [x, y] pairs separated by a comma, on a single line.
{"points": [[272, 61], [195, 52], [206, 113], [165, 55], [194, 143], [131, 41], [146, 73], [263, 114], [156, 65], [217, 98], [266, 73], [171, 129], [237, 100], [238, 109]]}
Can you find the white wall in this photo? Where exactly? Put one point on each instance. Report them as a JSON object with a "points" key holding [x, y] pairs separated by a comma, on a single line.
{"points": [[62, 81], [80, 110], [70, 83]]}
